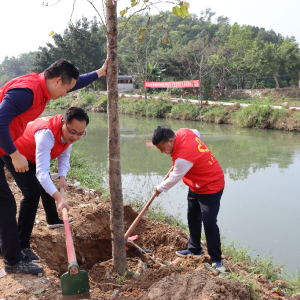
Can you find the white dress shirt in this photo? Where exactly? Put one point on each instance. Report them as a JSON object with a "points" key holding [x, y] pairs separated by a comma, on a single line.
{"points": [[181, 167], [45, 140]]}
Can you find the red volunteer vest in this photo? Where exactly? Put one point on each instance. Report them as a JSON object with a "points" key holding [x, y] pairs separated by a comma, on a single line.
{"points": [[206, 176], [35, 82], [26, 143]]}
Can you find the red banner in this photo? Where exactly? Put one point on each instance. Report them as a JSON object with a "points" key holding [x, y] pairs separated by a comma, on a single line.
{"points": [[174, 84]]}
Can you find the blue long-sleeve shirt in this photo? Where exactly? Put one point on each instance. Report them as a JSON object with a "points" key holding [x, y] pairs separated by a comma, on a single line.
{"points": [[17, 101]]}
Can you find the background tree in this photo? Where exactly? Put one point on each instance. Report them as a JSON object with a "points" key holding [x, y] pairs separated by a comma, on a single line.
{"points": [[15, 66], [83, 43], [273, 59]]}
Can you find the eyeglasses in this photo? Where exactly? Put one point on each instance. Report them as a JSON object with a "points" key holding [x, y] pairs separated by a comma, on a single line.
{"points": [[81, 135]]}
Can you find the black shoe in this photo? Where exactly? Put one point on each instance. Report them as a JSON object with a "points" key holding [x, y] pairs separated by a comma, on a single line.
{"points": [[31, 255], [59, 223], [186, 252], [24, 266]]}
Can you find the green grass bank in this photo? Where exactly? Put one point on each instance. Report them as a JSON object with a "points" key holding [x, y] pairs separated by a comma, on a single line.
{"points": [[260, 114]]}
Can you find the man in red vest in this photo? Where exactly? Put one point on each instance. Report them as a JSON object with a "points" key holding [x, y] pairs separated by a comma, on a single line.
{"points": [[22, 100], [200, 171], [45, 139]]}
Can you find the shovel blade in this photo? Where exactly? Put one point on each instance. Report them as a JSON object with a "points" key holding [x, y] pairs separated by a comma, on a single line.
{"points": [[75, 286]]}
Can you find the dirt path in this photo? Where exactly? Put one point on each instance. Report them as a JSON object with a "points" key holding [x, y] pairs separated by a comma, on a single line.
{"points": [[151, 276]]}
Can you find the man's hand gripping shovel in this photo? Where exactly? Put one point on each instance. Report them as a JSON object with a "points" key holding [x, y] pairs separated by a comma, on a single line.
{"points": [[128, 238]]}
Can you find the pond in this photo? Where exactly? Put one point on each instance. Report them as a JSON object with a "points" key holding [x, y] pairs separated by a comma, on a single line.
{"points": [[260, 206]]}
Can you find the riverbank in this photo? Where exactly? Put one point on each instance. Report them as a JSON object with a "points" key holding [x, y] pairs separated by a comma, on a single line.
{"points": [[260, 114], [189, 278]]}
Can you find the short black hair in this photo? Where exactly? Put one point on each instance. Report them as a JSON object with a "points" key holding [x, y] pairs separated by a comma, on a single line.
{"points": [[75, 112], [162, 134], [62, 68]]}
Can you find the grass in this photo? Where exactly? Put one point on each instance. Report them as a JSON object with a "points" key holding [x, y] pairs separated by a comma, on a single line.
{"points": [[80, 98], [185, 111], [213, 114], [150, 107], [258, 116], [83, 169]]}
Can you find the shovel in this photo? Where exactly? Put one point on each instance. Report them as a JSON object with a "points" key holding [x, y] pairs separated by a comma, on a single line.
{"points": [[74, 283], [138, 218]]}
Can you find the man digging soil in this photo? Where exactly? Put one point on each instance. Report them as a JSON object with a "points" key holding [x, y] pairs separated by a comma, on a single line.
{"points": [[23, 100], [43, 140], [200, 171]]}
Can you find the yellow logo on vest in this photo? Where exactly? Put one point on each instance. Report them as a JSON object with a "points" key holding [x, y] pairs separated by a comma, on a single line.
{"points": [[202, 148]]}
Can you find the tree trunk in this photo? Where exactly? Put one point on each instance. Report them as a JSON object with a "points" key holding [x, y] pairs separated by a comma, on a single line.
{"points": [[114, 162], [201, 102], [146, 71], [243, 80], [277, 84], [223, 83], [299, 78]]}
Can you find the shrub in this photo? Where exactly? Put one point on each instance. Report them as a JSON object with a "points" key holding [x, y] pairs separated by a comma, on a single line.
{"points": [[215, 112], [185, 111], [253, 116]]}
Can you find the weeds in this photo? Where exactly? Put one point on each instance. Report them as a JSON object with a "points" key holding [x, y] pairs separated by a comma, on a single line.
{"points": [[253, 288], [265, 266], [235, 253]]}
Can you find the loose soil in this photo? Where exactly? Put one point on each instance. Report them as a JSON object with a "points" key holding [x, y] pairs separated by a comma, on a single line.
{"points": [[157, 280]]}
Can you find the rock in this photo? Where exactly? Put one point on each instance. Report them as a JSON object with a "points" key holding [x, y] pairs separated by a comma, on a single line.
{"points": [[116, 293], [38, 222], [286, 105], [71, 203], [77, 183], [21, 290], [90, 217], [40, 275], [54, 241], [98, 193]]}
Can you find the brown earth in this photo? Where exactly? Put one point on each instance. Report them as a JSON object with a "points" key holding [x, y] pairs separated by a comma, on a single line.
{"points": [[159, 279]]}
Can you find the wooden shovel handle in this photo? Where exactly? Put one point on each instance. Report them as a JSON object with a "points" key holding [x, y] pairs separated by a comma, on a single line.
{"points": [[138, 218], [69, 240]]}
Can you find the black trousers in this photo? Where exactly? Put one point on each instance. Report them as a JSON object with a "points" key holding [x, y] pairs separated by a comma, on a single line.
{"points": [[204, 208], [9, 237], [32, 191]]}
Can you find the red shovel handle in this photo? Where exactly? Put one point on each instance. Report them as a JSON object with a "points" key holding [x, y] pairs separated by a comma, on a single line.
{"points": [[138, 218], [69, 240]]}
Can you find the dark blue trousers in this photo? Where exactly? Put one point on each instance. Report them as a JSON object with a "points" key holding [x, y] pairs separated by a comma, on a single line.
{"points": [[32, 191], [204, 208], [9, 236]]}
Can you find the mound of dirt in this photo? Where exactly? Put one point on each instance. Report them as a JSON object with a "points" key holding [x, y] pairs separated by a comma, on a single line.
{"points": [[196, 285]]}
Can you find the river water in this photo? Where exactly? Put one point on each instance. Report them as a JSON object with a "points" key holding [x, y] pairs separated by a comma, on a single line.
{"points": [[260, 206]]}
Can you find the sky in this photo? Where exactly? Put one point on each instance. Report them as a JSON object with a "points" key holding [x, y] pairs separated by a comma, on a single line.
{"points": [[26, 24]]}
